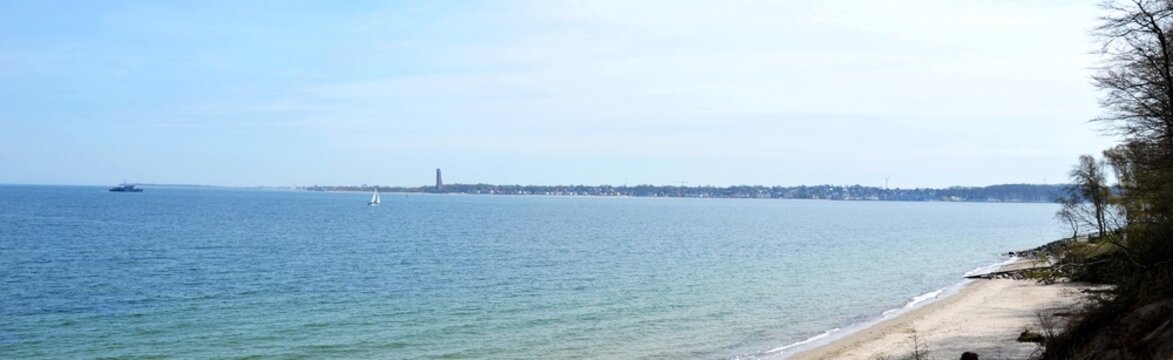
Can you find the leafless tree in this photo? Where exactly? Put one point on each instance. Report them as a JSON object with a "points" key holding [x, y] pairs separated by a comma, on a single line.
{"points": [[1137, 81], [1068, 216], [1087, 199], [1138, 76]]}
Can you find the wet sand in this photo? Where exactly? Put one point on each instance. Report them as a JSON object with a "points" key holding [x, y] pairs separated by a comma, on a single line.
{"points": [[986, 317]]}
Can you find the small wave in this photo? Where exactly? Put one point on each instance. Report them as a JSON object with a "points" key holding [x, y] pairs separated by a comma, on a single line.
{"points": [[923, 297], [915, 302], [804, 342], [991, 267]]}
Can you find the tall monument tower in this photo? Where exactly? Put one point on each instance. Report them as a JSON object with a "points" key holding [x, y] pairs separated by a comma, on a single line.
{"points": [[439, 181]]}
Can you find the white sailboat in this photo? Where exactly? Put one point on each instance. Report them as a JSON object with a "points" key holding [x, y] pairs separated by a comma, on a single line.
{"points": [[374, 198]]}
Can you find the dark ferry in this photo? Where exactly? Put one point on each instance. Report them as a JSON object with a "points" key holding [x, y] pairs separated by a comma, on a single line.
{"points": [[125, 188]]}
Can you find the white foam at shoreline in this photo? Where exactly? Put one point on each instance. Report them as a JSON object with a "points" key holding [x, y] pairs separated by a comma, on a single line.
{"points": [[916, 302], [922, 298], [807, 341], [991, 267]]}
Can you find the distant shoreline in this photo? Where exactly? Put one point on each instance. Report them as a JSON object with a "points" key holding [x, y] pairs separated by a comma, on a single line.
{"points": [[1008, 193]]}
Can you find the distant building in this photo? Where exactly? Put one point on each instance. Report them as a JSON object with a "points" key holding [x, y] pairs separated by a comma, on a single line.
{"points": [[439, 181]]}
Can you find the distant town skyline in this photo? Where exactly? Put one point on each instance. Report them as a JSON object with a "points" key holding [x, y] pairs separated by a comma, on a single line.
{"points": [[996, 193], [278, 93]]}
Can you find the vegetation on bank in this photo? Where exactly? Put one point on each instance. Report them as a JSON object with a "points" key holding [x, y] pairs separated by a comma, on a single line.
{"points": [[1131, 221]]}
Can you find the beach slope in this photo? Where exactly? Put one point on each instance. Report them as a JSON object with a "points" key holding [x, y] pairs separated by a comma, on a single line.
{"points": [[986, 317]]}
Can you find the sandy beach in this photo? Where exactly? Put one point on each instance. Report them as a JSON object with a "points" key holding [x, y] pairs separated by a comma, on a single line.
{"points": [[986, 317]]}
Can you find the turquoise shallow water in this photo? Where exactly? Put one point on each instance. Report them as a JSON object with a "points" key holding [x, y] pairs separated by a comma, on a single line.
{"points": [[214, 273]]}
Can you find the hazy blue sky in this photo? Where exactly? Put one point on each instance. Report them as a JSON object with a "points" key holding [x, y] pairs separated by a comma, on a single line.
{"points": [[930, 93]]}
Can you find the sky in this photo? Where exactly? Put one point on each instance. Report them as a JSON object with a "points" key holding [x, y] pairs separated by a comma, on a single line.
{"points": [[929, 93]]}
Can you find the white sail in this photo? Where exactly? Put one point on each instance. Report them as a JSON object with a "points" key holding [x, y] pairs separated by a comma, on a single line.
{"points": [[374, 198]]}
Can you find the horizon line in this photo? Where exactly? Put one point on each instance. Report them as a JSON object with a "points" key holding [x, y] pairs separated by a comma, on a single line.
{"points": [[295, 186]]}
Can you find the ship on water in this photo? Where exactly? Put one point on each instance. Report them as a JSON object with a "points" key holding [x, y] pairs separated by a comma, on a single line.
{"points": [[125, 188]]}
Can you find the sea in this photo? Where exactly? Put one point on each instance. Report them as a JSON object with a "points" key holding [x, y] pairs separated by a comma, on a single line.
{"points": [[175, 272]]}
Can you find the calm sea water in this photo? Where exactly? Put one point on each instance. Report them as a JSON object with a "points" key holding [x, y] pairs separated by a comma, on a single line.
{"points": [[213, 273]]}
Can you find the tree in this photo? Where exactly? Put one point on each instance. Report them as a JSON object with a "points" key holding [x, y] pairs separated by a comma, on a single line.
{"points": [[1127, 194], [1137, 81], [1068, 216], [1138, 73], [1086, 200]]}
